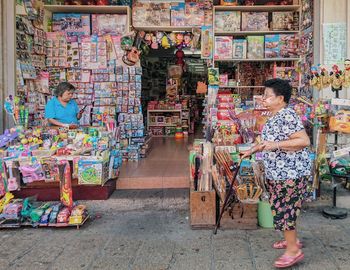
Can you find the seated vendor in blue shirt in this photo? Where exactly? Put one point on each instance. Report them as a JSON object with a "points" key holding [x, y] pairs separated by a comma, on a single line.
{"points": [[62, 110]]}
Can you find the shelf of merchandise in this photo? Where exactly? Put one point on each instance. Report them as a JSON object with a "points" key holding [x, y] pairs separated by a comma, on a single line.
{"points": [[49, 9], [155, 125], [165, 28], [296, 7], [150, 112], [155, 111], [242, 86], [246, 33], [258, 60], [258, 8]]}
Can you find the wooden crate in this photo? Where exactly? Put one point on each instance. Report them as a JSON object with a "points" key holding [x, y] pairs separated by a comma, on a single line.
{"points": [[202, 209], [241, 217]]}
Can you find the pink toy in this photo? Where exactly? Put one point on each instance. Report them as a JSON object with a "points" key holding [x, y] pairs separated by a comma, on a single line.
{"points": [[32, 173]]}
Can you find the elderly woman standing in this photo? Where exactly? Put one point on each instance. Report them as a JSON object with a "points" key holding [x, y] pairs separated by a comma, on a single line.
{"points": [[287, 165], [62, 110]]}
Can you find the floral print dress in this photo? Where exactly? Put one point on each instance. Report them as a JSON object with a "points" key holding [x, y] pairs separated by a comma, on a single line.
{"points": [[286, 171]]}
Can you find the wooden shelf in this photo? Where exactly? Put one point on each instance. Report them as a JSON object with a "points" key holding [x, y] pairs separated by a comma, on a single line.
{"points": [[49, 9], [87, 9], [242, 86], [258, 60], [246, 33], [258, 8], [166, 28], [164, 110], [155, 125]]}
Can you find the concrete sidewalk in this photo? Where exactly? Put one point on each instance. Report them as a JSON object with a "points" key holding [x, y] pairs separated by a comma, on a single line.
{"points": [[150, 230]]}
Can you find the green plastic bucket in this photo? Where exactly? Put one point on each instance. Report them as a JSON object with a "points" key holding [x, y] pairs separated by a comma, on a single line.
{"points": [[265, 218]]}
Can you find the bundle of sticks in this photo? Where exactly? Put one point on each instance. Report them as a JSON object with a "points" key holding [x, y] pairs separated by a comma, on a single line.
{"points": [[259, 178], [219, 183], [224, 159], [248, 193]]}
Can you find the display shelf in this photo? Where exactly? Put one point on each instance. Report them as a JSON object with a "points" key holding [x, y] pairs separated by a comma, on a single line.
{"points": [[258, 8], [155, 125], [87, 9], [258, 60], [243, 86], [49, 9], [162, 136], [246, 33], [155, 111], [165, 28]]}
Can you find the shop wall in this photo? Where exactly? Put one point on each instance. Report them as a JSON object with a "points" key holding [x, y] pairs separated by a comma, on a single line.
{"points": [[332, 11], [2, 54], [7, 56]]}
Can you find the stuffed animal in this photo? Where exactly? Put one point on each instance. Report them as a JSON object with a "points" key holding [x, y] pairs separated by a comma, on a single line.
{"points": [[154, 44], [165, 42], [148, 39], [187, 40], [179, 38]]}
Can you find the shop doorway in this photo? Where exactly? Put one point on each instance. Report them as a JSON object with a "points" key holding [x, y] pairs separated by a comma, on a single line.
{"points": [[172, 123]]}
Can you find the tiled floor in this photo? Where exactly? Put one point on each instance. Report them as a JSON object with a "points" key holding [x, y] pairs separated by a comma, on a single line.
{"points": [[165, 167]]}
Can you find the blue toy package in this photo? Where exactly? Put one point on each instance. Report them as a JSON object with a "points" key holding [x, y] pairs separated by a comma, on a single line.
{"points": [[246, 168], [272, 49], [73, 24]]}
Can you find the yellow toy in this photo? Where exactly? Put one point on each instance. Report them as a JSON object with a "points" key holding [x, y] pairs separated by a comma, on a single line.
{"points": [[5, 200]]}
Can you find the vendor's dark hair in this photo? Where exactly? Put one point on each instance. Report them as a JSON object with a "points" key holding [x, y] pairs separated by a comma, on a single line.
{"points": [[280, 88], [63, 87]]}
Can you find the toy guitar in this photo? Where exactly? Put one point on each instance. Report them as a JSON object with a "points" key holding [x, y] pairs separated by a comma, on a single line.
{"points": [[132, 56]]}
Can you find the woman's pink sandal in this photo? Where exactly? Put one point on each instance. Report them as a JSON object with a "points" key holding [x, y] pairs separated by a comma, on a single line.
{"points": [[287, 261], [282, 244]]}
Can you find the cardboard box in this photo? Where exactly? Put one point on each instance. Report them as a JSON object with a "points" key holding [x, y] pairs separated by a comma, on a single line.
{"points": [[93, 171]]}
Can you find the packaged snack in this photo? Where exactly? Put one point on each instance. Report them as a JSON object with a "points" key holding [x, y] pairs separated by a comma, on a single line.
{"points": [[78, 215], [63, 216]]}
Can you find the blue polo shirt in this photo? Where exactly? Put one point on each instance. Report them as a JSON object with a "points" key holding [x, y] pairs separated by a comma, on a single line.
{"points": [[67, 115]]}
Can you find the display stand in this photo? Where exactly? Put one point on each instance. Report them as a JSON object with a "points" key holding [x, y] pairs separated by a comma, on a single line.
{"points": [[333, 211]]}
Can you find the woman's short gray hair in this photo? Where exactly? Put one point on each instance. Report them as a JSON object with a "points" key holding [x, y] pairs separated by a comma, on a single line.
{"points": [[63, 87]]}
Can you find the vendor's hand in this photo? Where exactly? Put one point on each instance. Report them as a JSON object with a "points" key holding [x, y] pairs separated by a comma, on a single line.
{"points": [[245, 154], [269, 146]]}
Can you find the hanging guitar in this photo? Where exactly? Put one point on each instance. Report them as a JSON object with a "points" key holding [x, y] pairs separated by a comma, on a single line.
{"points": [[132, 56]]}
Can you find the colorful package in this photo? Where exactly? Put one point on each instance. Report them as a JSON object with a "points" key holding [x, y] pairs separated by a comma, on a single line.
{"points": [[177, 14], [207, 42], [223, 47], [255, 47], [73, 24], [239, 48], [113, 24], [227, 21], [255, 21], [272, 48]]}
